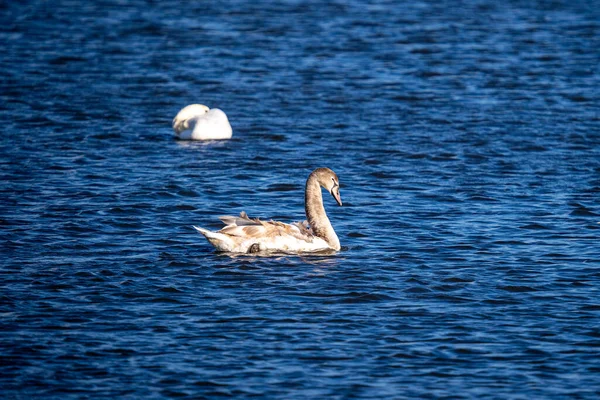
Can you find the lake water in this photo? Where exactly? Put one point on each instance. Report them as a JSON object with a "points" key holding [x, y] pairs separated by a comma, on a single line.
{"points": [[466, 136]]}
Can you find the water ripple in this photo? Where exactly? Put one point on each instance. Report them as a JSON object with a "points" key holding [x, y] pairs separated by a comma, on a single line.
{"points": [[468, 154]]}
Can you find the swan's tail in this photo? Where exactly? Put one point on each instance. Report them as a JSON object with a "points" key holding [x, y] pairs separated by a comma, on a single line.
{"points": [[221, 241]]}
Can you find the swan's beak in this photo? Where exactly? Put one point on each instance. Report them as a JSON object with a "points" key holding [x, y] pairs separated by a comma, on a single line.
{"points": [[335, 192]]}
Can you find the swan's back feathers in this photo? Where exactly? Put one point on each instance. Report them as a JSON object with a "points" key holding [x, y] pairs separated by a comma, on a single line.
{"points": [[245, 234], [244, 226], [242, 220], [304, 228], [198, 122]]}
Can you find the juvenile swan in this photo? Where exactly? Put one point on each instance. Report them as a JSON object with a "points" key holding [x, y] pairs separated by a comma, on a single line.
{"points": [[198, 122], [244, 235]]}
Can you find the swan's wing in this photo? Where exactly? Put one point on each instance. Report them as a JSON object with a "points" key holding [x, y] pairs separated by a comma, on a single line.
{"points": [[242, 220], [215, 118], [304, 228], [194, 122], [244, 226], [297, 230], [213, 125]]}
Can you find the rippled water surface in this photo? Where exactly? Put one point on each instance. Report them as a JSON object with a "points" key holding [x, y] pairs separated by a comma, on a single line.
{"points": [[466, 136]]}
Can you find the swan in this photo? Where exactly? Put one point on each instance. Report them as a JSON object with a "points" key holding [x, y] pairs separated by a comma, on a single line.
{"points": [[245, 235], [198, 122]]}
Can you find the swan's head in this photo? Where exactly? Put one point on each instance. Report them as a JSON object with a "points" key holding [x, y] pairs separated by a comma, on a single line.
{"points": [[180, 122], [329, 180]]}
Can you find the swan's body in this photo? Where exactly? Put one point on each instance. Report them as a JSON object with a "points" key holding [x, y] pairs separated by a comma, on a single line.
{"points": [[244, 235], [198, 122]]}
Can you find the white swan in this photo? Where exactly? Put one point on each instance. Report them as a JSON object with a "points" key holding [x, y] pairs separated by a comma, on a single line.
{"points": [[244, 235], [198, 122]]}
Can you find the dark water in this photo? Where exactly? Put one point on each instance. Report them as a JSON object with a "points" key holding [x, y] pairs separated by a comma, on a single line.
{"points": [[467, 140]]}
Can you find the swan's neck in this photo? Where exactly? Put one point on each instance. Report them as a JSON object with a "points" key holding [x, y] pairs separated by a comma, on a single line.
{"points": [[315, 213]]}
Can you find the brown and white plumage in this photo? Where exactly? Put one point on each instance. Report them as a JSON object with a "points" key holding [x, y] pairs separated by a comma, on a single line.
{"points": [[198, 122], [245, 235]]}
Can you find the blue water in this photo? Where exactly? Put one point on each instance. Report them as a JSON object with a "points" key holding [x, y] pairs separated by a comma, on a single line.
{"points": [[466, 136]]}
